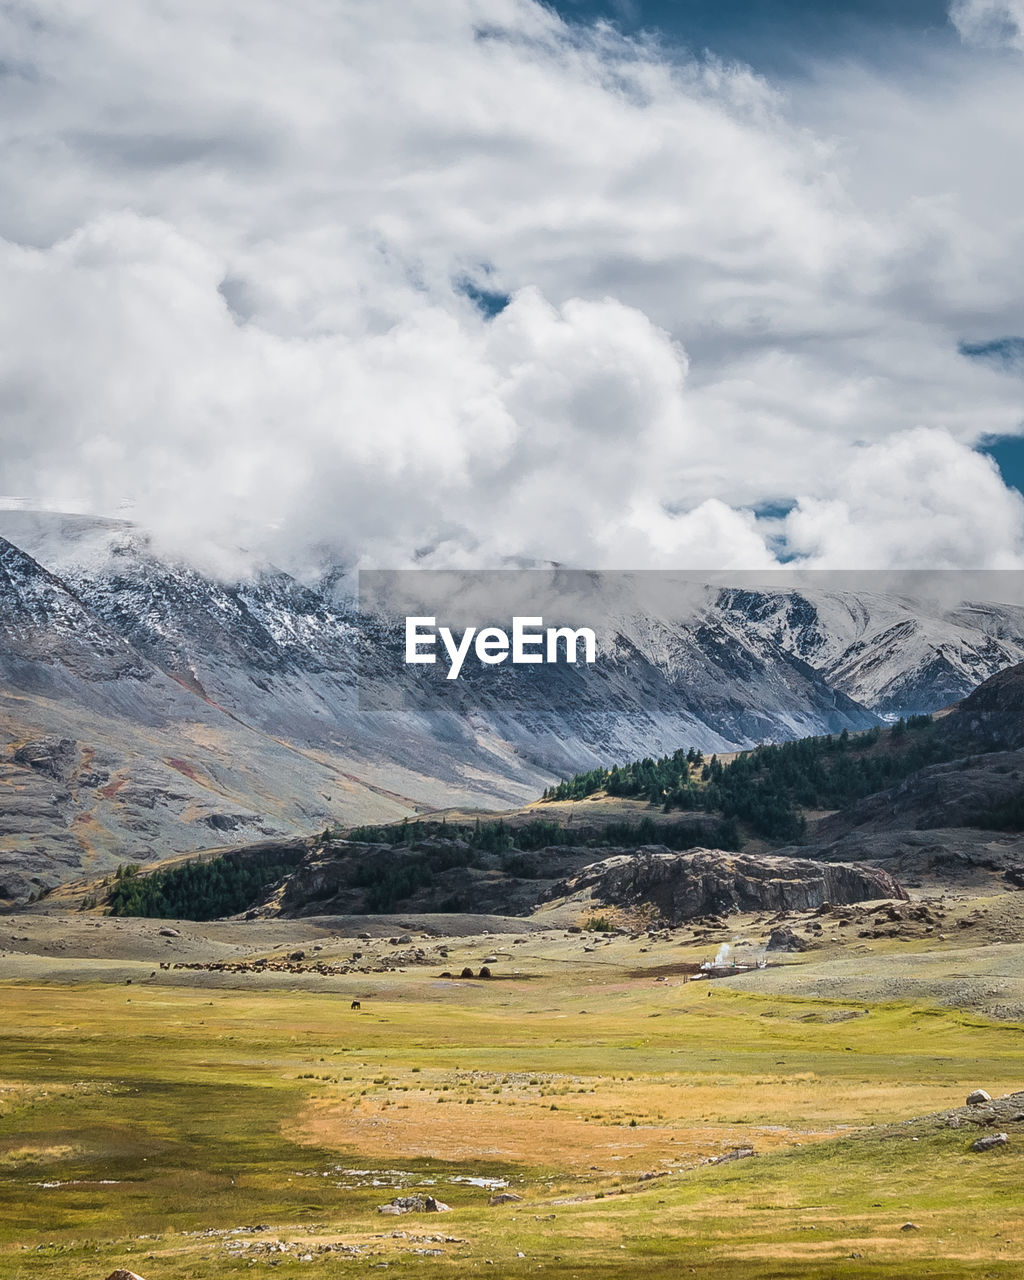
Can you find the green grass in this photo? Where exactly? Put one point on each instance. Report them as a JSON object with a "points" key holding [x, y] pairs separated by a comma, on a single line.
{"points": [[202, 1109]]}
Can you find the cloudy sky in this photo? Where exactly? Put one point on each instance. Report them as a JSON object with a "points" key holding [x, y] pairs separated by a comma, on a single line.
{"points": [[617, 283]]}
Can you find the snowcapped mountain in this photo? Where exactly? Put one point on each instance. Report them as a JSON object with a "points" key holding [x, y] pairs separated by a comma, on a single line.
{"points": [[894, 654], [184, 711], [43, 622]]}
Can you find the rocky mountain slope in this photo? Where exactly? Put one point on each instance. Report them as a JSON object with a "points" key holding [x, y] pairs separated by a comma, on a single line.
{"points": [[952, 819], [187, 711], [992, 718], [960, 819], [950, 816], [969, 792], [899, 653]]}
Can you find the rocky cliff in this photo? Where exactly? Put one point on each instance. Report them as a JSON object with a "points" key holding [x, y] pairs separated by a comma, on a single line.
{"points": [[684, 886]]}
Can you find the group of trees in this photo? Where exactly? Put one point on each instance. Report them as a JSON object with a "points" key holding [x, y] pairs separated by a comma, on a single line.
{"points": [[196, 890], [389, 879], [645, 777], [488, 837], [420, 853], [766, 788]]}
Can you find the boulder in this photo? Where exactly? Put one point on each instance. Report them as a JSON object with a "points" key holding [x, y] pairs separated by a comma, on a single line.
{"points": [[414, 1204], [785, 939], [977, 1097], [737, 1153], [989, 1141], [121, 1274], [504, 1197]]}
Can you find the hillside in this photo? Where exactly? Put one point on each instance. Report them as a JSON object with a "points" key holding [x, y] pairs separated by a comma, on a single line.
{"points": [[148, 708], [699, 825]]}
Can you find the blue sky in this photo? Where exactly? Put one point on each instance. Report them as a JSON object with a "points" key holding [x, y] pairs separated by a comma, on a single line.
{"points": [[1006, 354], [1008, 454], [773, 35]]}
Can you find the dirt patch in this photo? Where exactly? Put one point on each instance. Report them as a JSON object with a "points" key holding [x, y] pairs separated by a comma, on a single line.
{"points": [[681, 969], [534, 1134]]}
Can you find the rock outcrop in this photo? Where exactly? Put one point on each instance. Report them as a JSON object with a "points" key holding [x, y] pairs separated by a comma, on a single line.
{"points": [[53, 757], [784, 939], [705, 882], [991, 1141]]}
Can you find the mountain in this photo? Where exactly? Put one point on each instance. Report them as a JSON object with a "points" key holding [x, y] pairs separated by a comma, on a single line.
{"points": [[111, 749], [610, 838], [180, 711], [895, 654], [52, 644]]}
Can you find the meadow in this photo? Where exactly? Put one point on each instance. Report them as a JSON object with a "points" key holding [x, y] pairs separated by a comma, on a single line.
{"points": [[154, 1126]]}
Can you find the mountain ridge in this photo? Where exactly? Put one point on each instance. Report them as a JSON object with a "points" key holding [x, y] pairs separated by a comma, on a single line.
{"points": [[235, 706]]}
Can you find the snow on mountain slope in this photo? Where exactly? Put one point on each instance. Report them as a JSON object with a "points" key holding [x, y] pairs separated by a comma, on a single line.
{"points": [[156, 765], [200, 707], [893, 654], [42, 621], [703, 663]]}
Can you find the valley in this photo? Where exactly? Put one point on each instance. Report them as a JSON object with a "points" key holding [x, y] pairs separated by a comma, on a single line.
{"points": [[194, 1100], [665, 1061]]}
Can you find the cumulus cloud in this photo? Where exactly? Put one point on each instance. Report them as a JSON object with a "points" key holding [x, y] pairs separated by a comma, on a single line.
{"points": [[919, 498], [243, 247]]}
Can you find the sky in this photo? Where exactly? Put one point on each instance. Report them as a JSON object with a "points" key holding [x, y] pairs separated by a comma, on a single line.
{"points": [[623, 284], [774, 36]]}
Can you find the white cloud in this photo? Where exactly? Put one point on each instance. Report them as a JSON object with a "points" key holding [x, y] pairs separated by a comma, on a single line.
{"points": [[918, 498], [989, 22], [234, 236]]}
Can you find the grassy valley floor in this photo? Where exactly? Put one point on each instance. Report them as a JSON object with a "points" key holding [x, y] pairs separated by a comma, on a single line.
{"points": [[198, 1123]]}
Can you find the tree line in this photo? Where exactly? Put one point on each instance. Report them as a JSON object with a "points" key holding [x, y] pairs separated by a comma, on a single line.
{"points": [[767, 787]]}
